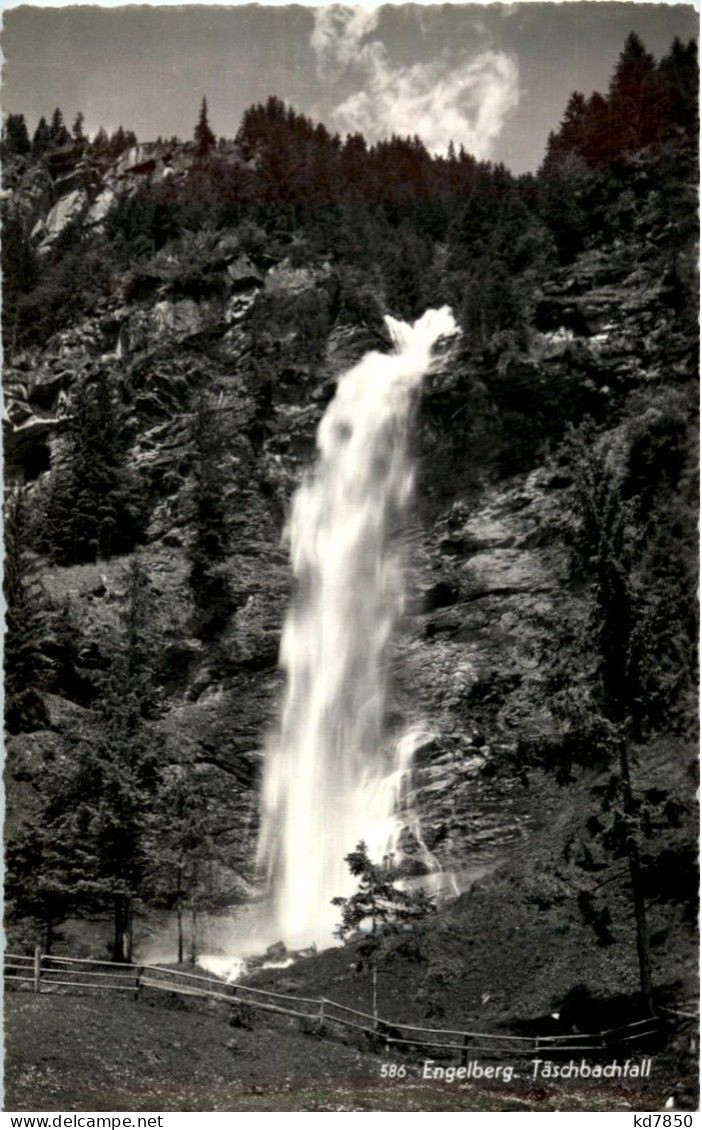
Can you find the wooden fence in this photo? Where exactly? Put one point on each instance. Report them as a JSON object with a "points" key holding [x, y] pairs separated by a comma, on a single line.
{"points": [[44, 973]]}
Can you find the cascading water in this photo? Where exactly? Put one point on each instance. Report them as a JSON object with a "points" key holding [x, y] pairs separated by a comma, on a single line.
{"points": [[327, 781]]}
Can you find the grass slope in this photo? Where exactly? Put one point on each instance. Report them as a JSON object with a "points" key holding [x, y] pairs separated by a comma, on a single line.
{"points": [[95, 1053]]}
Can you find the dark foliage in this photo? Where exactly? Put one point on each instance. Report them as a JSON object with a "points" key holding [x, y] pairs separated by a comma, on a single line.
{"points": [[95, 506], [85, 846], [26, 621], [210, 547], [204, 138], [15, 139], [646, 104]]}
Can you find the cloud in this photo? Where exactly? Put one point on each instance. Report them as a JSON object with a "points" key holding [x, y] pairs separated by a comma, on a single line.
{"points": [[467, 104], [338, 33], [466, 99]]}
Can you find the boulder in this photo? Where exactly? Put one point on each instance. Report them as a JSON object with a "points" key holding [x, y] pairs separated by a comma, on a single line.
{"points": [[100, 207], [138, 159], [292, 280], [181, 319], [242, 274]]}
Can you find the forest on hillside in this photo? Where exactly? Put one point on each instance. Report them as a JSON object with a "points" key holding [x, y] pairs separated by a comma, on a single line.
{"points": [[113, 819]]}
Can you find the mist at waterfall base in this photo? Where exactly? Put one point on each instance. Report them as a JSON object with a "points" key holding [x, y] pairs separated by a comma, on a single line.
{"points": [[332, 775]]}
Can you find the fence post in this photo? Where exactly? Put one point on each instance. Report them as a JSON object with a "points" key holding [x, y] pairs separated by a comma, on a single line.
{"points": [[137, 983], [321, 1010], [37, 969], [464, 1052]]}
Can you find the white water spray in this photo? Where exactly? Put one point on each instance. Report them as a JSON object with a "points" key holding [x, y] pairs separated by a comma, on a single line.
{"points": [[327, 781]]}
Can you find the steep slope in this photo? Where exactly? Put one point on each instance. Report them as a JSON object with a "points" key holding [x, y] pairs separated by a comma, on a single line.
{"points": [[247, 328]]}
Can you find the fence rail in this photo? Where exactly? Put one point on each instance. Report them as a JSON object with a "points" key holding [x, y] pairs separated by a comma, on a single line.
{"points": [[40, 971]]}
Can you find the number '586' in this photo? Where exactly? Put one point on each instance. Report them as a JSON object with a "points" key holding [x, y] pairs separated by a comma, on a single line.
{"points": [[393, 1070]]}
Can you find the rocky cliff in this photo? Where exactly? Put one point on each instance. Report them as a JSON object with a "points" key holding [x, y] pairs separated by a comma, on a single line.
{"points": [[259, 331]]}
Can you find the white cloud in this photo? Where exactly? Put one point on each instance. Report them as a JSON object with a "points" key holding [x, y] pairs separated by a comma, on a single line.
{"points": [[466, 99], [338, 33]]}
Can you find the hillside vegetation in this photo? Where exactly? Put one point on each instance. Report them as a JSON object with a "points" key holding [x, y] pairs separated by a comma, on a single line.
{"points": [[176, 315]]}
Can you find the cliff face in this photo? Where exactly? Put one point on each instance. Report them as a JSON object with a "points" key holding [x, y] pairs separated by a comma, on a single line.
{"points": [[472, 571], [264, 337]]}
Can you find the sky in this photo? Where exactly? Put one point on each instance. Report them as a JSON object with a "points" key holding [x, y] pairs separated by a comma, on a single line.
{"points": [[494, 78]]}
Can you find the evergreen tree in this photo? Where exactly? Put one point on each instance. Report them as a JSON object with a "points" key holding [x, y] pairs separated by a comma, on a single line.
{"points": [[19, 274], [680, 74], [611, 550], [108, 799], [15, 139], [121, 140], [95, 506], [57, 130], [570, 136], [209, 550], [490, 304], [100, 143], [63, 648], [203, 137], [603, 688], [78, 127], [25, 619], [42, 138], [51, 869], [635, 97], [407, 273], [380, 906], [124, 762], [181, 851]]}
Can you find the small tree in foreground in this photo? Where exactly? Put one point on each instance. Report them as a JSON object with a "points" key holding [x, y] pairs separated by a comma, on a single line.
{"points": [[377, 909], [182, 851]]}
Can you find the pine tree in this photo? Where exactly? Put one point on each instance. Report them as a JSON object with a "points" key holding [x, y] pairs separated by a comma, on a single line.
{"points": [[209, 550], [86, 845], [379, 903], [680, 74], [593, 682], [15, 139], [611, 548], [635, 95], [203, 136], [57, 130], [181, 851], [100, 143], [117, 772], [121, 140], [570, 136], [64, 648], [95, 506], [51, 869], [26, 621], [42, 138], [19, 274], [78, 126]]}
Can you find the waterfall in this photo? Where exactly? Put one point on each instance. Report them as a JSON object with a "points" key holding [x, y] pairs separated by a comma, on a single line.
{"points": [[329, 780]]}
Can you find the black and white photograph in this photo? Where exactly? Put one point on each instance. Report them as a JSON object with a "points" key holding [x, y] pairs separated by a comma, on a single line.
{"points": [[350, 384]]}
